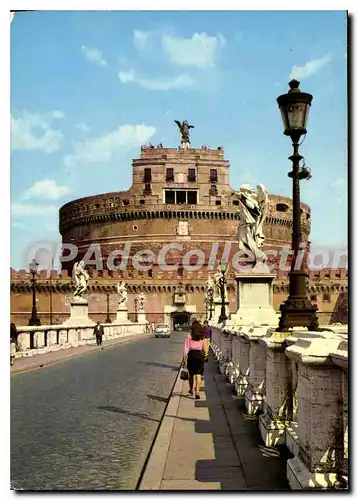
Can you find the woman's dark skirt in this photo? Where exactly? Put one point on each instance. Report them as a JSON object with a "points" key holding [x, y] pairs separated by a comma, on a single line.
{"points": [[195, 363]]}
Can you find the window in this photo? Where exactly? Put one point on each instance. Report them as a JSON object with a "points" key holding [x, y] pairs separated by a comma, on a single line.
{"points": [[147, 188], [150, 273], [96, 205], [181, 197], [218, 202], [169, 197], [180, 271], [126, 202], [313, 298], [147, 175], [326, 297], [142, 202], [235, 202], [191, 175], [213, 191], [170, 174], [192, 198], [213, 175], [281, 207]]}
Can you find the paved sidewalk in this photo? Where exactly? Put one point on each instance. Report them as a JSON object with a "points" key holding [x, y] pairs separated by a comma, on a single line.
{"points": [[40, 360], [212, 444]]}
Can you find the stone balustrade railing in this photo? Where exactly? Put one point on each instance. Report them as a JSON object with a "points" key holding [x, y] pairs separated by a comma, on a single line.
{"points": [[297, 385], [39, 339]]}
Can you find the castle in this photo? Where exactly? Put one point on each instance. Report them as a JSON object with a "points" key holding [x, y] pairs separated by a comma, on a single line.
{"points": [[180, 210]]}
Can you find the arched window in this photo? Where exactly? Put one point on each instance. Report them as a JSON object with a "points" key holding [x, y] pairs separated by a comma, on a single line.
{"points": [[282, 207]]}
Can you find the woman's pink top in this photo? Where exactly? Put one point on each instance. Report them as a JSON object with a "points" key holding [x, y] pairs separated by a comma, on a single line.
{"points": [[192, 345]]}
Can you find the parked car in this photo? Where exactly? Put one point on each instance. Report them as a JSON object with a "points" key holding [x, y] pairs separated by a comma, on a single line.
{"points": [[162, 331]]}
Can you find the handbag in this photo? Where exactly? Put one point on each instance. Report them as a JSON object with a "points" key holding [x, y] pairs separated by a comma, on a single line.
{"points": [[184, 375]]}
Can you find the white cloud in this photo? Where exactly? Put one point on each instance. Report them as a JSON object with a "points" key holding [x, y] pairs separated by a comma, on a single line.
{"points": [[47, 189], [309, 68], [199, 50], [83, 127], [161, 83], [102, 149], [57, 114], [140, 39], [94, 56], [33, 131], [21, 209]]}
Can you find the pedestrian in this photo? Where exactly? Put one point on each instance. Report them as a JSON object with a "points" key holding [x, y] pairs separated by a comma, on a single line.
{"points": [[207, 332], [194, 357], [98, 332], [13, 342]]}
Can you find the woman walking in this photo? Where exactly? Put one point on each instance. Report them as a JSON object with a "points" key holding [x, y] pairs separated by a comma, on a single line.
{"points": [[194, 357]]}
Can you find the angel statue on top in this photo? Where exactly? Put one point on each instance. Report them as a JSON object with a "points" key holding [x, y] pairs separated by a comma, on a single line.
{"points": [[253, 206], [122, 294], [81, 279], [184, 130]]}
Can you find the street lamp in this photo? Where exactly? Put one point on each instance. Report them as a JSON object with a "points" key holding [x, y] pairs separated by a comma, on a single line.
{"points": [[297, 310], [222, 282], [211, 299], [34, 320], [206, 303], [108, 319], [136, 309]]}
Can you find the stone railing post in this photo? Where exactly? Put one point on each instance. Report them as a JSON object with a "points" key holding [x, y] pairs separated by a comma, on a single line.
{"points": [[255, 391], [235, 357], [244, 366], [319, 395]]}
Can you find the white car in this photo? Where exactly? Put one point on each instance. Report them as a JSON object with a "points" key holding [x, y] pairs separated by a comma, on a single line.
{"points": [[162, 331]]}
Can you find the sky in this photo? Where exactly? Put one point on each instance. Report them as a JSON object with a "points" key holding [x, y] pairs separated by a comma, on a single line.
{"points": [[88, 88]]}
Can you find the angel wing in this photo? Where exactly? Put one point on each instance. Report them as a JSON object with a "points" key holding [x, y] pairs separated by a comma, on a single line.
{"points": [[262, 199], [191, 126], [178, 123]]}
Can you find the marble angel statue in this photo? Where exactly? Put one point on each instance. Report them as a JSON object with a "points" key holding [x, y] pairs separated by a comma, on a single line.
{"points": [[253, 207], [122, 294], [142, 302], [81, 279]]}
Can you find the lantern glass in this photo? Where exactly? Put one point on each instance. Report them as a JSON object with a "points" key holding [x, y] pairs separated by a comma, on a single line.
{"points": [[33, 266], [223, 266], [294, 107]]}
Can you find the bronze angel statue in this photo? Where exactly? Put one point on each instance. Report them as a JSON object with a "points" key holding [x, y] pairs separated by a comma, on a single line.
{"points": [[184, 130]]}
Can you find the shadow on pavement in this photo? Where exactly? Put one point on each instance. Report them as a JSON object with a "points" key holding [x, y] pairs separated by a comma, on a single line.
{"points": [[161, 365], [115, 409], [157, 398]]}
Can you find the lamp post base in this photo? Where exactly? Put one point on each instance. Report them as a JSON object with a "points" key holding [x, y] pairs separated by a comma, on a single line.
{"points": [[34, 321], [298, 311]]}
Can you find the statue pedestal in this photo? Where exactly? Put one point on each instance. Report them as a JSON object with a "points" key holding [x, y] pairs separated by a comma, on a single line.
{"points": [[122, 315], [142, 317], [79, 313], [255, 300]]}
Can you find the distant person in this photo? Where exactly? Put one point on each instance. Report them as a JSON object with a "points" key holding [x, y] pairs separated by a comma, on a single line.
{"points": [[194, 357], [98, 332], [13, 342], [208, 333]]}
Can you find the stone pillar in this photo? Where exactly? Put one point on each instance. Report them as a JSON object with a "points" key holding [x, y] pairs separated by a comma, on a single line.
{"points": [[318, 392], [244, 366], [72, 336], [226, 351], [278, 381], [63, 337], [23, 341], [51, 338], [255, 391], [235, 356], [39, 339]]}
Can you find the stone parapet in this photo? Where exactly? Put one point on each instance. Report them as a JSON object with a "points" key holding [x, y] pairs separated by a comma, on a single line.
{"points": [[33, 340], [298, 381]]}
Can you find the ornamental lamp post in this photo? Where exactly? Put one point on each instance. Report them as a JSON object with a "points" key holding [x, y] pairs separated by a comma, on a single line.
{"points": [[297, 310], [211, 299], [136, 309], [222, 283], [108, 319], [34, 320]]}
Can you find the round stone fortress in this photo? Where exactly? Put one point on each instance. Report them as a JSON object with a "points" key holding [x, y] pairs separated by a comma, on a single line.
{"points": [[179, 196]]}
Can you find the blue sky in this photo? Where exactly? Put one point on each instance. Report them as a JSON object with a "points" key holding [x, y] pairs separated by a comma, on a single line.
{"points": [[89, 88]]}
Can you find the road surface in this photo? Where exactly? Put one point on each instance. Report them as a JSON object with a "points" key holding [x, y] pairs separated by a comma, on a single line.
{"points": [[87, 423]]}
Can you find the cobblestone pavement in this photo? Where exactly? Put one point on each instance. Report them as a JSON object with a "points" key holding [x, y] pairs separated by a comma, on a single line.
{"points": [[87, 423]]}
